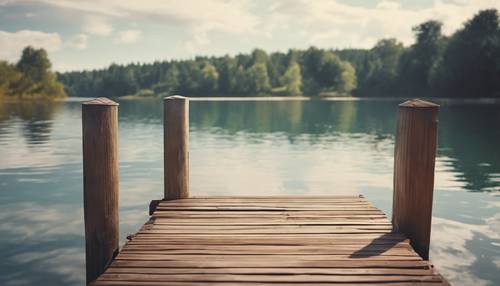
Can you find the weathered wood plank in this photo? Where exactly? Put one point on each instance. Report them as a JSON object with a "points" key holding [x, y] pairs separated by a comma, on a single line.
{"points": [[229, 270], [150, 283], [296, 278], [289, 263]]}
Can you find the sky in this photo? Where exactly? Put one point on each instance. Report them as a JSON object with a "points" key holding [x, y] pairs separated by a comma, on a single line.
{"points": [[90, 34]]}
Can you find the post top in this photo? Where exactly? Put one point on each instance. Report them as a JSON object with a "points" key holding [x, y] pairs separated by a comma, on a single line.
{"points": [[101, 101], [175, 97], [418, 103]]}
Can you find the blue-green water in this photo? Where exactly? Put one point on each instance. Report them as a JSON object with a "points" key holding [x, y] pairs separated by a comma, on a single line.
{"points": [[243, 148]]}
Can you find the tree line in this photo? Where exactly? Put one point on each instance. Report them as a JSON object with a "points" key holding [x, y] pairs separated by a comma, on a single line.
{"points": [[30, 77], [465, 64], [292, 73]]}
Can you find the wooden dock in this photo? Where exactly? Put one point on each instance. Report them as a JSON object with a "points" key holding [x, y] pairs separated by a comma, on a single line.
{"points": [[295, 240], [273, 240]]}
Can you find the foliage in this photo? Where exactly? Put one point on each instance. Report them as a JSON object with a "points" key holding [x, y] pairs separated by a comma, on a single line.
{"points": [[465, 64], [254, 74], [470, 64], [292, 79], [418, 62], [30, 77]]}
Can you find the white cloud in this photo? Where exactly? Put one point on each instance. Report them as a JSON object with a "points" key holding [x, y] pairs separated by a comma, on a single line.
{"points": [[13, 43], [97, 26], [78, 42], [128, 36]]}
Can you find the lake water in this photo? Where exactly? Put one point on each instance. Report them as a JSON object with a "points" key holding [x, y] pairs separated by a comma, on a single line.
{"points": [[244, 148]]}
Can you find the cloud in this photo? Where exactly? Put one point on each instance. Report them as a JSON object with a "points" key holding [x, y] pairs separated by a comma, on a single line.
{"points": [[128, 36], [13, 43], [199, 18], [329, 23], [212, 14], [321, 22], [78, 42], [198, 40], [388, 5], [97, 26]]}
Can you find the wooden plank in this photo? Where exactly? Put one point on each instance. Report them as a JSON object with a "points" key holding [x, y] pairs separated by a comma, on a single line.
{"points": [[229, 270], [396, 245], [151, 283], [288, 263], [269, 239], [298, 213], [281, 197], [291, 228], [264, 208], [277, 223], [266, 204], [296, 278], [312, 214], [275, 258], [284, 250]]}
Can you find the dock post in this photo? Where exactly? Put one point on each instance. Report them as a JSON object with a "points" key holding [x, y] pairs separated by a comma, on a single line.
{"points": [[176, 147], [414, 160], [100, 184]]}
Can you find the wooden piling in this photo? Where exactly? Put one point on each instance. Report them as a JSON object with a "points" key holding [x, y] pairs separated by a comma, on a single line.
{"points": [[176, 147], [414, 161], [100, 184]]}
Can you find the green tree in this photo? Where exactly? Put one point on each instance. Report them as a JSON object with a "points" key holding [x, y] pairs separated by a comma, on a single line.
{"points": [[292, 79], [8, 77], [34, 64], [170, 83], [226, 68], [257, 79], [118, 81], [380, 68], [210, 78], [259, 56], [36, 78], [346, 82], [418, 61], [471, 62], [336, 75]]}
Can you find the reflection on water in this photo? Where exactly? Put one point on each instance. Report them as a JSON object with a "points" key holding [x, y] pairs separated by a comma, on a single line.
{"points": [[35, 119], [238, 148]]}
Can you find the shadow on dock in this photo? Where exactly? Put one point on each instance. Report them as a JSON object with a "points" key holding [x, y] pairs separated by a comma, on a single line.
{"points": [[378, 246]]}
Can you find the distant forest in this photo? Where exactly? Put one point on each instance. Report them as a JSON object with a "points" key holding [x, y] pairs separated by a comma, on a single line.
{"points": [[465, 64]]}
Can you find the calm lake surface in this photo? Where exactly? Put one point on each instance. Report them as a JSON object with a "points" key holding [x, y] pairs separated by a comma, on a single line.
{"points": [[243, 148]]}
